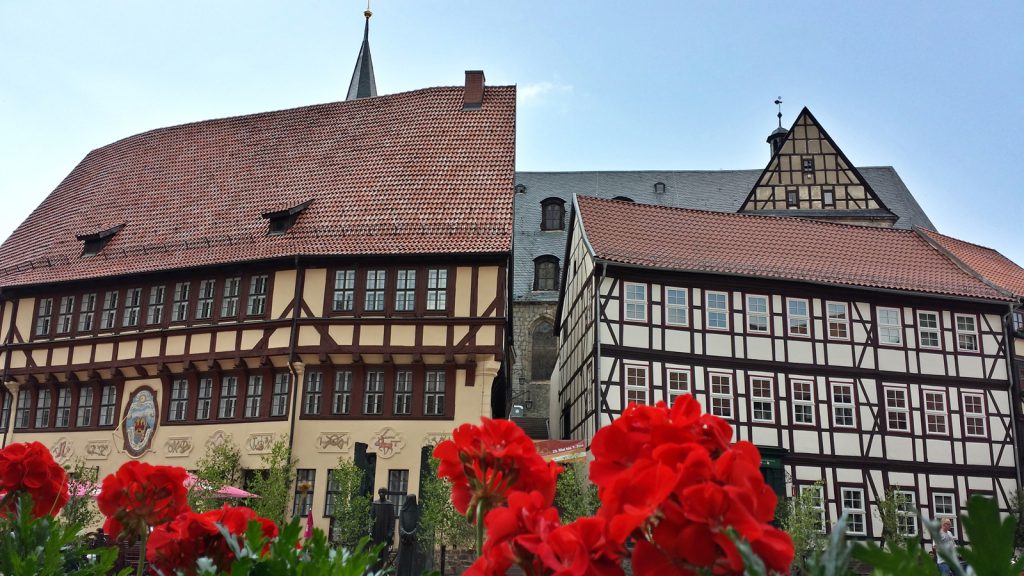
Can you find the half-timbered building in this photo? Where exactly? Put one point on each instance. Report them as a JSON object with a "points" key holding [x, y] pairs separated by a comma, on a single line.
{"points": [[859, 359], [334, 275]]}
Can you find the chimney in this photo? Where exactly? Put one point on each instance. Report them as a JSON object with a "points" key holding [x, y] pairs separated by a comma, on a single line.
{"points": [[473, 97]]}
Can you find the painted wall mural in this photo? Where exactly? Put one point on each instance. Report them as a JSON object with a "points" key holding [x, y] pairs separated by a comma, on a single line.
{"points": [[139, 423]]}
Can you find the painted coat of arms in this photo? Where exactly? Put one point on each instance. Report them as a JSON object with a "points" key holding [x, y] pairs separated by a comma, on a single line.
{"points": [[139, 423]]}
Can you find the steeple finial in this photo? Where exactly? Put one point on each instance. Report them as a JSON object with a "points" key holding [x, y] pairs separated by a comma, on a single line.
{"points": [[778, 135], [778, 101], [363, 84]]}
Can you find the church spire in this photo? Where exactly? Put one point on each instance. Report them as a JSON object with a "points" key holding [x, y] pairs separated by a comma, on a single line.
{"points": [[363, 84]]}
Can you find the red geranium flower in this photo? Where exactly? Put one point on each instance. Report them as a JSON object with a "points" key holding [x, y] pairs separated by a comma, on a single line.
{"points": [[139, 496], [175, 547], [30, 468]]}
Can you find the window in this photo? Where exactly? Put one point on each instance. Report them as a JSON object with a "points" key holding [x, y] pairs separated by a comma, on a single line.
{"points": [[155, 314], [65, 314], [63, 407], [179, 309], [792, 200], [405, 291], [344, 291], [179, 400], [757, 314], [86, 317], [132, 305], [43, 317], [676, 311], [807, 164], [229, 300], [373, 395], [636, 302], [108, 405], [433, 398], [828, 197], [1018, 322], [21, 413], [889, 326], [944, 506], [798, 320], [906, 512], [342, 403], [659, 187], [544, 350], [816, 500], [552, 214], [305, 480], [803, 402], [966, 333], [935, 412], [374, 299], [333, 493], [398, 486], [721, 395], [279, 398], [84, 407], [853, 507], [5, 410], [403, 393], [838, 320], [437, 289], [108, 318], [762, 399], [43, 400], [257, 304], [897, 412], [204, 398], [636, 384], [228, 397], [314, 392], [843, 407], [678, 384], [254, 396], [545, 273], [928, 329], [204, 302], [974, 415], [717, 310]]}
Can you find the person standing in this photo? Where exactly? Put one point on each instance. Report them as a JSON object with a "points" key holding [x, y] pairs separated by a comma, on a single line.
{"points": [[946, 542]]}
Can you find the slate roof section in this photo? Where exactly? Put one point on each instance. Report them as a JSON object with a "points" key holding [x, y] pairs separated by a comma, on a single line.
{"points": [[408, 173], [986, 262], [716, 190], [773, 247], [363, 83]]}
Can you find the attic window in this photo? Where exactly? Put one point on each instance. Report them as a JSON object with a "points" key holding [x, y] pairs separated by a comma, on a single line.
{"points": [[808, 165], [282, 220], [520, 188], [828, 197], [792, 200], [94, 243], [623, 199], [659, 187]]}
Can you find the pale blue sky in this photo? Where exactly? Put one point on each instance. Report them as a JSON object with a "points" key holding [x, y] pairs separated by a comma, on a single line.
{"points": [[933, 89]]}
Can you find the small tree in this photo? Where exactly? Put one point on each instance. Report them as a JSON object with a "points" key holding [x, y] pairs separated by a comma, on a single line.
{"points": [[575, 495], [81, 508], [891, 508], [1017, 512], [273, 482], [802, 520], [350, 509], [220, 465], [440, 523]]}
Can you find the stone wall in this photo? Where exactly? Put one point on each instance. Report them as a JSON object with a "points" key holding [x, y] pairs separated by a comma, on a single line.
{"points": [[525, 316]]}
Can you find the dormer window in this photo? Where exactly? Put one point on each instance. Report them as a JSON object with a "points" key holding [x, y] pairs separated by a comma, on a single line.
{"points": [[282, 220], [552, 214], [623, 199], [94, 243], [659, 187]]}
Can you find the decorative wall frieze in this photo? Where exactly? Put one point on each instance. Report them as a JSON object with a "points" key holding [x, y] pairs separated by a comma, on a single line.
{"points": [[259, 443], [97, 449], [218, 437], [388, 442], [178, 446], [333, 442], [62, 450], [435, 438]]}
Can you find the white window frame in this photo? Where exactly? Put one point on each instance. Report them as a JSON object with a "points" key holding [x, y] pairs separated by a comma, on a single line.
{"points": [[843, 322], [851, 405], [437, 289], [922, 330], [791, 316], [766, 314], [633, 374], [722, 403], [637, 304], [981, 415], [891, 410], [709, 310], [949, 512], [759, 402], [802, 401], [960, 333], [887, 327], [852, 512], [681, 309], [935, 413], [819, 504], [907, 514], [672, 377]]}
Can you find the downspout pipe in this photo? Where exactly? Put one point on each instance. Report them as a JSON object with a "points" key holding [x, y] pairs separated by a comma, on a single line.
{"points": [[1015, 395], [300, 279]]}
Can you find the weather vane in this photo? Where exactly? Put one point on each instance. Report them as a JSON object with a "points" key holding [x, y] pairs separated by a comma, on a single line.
{"points": [[778, 102]]}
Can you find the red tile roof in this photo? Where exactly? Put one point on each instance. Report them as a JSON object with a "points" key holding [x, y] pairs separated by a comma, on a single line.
{"points": [[989, 264], [407, 173], [772, 247]]}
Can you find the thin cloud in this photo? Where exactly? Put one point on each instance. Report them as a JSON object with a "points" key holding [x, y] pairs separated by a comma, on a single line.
{"points": [[541, 91]]}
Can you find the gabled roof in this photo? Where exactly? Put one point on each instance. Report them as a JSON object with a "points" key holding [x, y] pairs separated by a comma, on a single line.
{"points": [[990, 265], [407, 173], [772, 247]]}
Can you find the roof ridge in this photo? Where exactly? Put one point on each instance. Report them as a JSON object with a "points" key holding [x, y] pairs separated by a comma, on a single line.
{"points": [[961, 265], [993, 250]]}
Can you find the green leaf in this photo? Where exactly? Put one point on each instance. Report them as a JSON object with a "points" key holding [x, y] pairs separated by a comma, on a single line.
{"points": [[992, 538], [902, 558], [752, 563]]}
